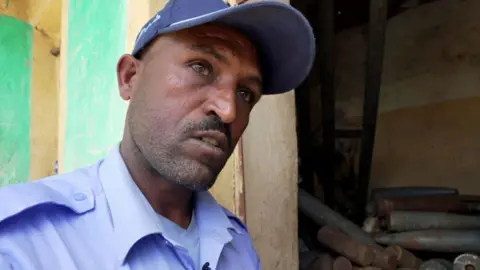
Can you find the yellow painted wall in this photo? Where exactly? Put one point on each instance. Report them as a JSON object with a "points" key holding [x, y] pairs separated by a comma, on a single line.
{"points": [[44, 136], [17, 9], [45, 15], [45, 18]]}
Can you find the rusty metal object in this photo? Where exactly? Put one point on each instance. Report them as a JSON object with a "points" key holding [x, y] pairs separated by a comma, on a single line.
{"points": [[471, 206], [370, 208], [434, 203], [405, 258], [436, 264], [323, 261], [411, 221], [467, 261], [357, 252], [435, 240], [307, 258], [384, 259], [323, 215], [371, 225], [342, 263], [343, 244], [392, 192], [470, 198]]}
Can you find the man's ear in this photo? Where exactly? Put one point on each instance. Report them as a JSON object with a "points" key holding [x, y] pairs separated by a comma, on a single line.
{"points": [[127, 70]]}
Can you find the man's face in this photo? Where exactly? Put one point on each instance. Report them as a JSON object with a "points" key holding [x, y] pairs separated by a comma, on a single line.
{"points": [[191, 95]]}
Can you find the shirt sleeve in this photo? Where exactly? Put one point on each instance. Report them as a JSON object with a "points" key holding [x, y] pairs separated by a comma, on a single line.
{"points": [[259, 264], [5, 263]]}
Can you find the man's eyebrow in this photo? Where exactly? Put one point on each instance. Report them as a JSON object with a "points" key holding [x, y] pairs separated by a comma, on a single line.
{"points": [[215, 53], [209, 50], [256, 80]]}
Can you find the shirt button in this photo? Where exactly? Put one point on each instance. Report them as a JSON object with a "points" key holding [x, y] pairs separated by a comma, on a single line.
{"points": [[79, 196]]}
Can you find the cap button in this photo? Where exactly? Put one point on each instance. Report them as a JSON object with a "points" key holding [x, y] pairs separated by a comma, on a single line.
{"points": [[79, 196]]}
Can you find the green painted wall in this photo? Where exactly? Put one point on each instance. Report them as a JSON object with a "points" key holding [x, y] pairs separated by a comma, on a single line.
{"points": [[95, 112], [15, 84]]}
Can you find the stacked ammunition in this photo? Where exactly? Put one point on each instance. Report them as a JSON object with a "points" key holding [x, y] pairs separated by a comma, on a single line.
{"points": [[403, 224]]}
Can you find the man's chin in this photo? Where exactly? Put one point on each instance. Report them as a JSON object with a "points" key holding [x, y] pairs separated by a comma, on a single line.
{"points": [[189, 172], [201, 178], [197, 186], [206, 180]]}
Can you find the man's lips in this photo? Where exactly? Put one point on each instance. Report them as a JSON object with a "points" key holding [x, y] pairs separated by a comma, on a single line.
{"points": [[213, 138]]}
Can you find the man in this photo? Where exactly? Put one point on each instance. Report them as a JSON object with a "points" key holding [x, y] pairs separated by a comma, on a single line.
{"points": [[197, 70]]}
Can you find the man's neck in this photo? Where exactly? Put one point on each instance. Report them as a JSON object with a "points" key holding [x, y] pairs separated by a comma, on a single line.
{"points": [[170, 200]]}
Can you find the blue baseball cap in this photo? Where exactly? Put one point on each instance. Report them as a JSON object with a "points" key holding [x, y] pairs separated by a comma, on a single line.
{"points": [[282, 35]]}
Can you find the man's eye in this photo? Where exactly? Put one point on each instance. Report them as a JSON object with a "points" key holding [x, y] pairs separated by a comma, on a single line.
{"points": [[202, 69], [246, 95]]}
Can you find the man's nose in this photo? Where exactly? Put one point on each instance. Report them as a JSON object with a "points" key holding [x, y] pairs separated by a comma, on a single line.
{"points": [[223, 102]]}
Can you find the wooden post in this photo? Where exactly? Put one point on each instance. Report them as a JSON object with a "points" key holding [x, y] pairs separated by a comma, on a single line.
{"points": [[375, 52], [327, 82]]}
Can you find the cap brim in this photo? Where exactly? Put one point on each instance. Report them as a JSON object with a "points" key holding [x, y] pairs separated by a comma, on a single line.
{"points": [[281, 33]]}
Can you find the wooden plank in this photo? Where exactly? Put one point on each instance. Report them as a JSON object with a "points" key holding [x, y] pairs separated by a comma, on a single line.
{"points": [[375, 53], [229, 189], [327, 81], [15, 83], [303, 99], [270, 159], [271, 176]]}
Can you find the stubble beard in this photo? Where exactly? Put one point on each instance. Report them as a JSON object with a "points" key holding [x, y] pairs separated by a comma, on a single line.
{"points": [[175, 168], [170, 163]]}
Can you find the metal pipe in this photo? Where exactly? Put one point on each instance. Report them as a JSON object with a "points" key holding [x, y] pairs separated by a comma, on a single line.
{"points": [[323, 215], [470, 198], [405, 258], [384, 259], [357, 252], [371, 225], [370, 208], [346, 246], [435, 240], [324, 261], [307, 258], [342, 263], [434, 203], [409, 191], [467, 261], [436, 264], [400, 221]]}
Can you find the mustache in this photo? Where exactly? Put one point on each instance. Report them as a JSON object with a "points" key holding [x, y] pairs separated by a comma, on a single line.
{"points": [[211, 122]]}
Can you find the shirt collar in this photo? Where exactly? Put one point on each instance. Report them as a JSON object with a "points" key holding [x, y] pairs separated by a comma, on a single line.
{"points": [[133, 218]]}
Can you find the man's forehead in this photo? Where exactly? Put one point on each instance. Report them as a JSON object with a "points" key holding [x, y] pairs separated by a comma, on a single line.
{"points": [[219, 33], [219, 41]]}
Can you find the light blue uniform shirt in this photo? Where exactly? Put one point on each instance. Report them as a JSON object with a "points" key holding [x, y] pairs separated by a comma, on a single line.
{"points": [[96, 218]]}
